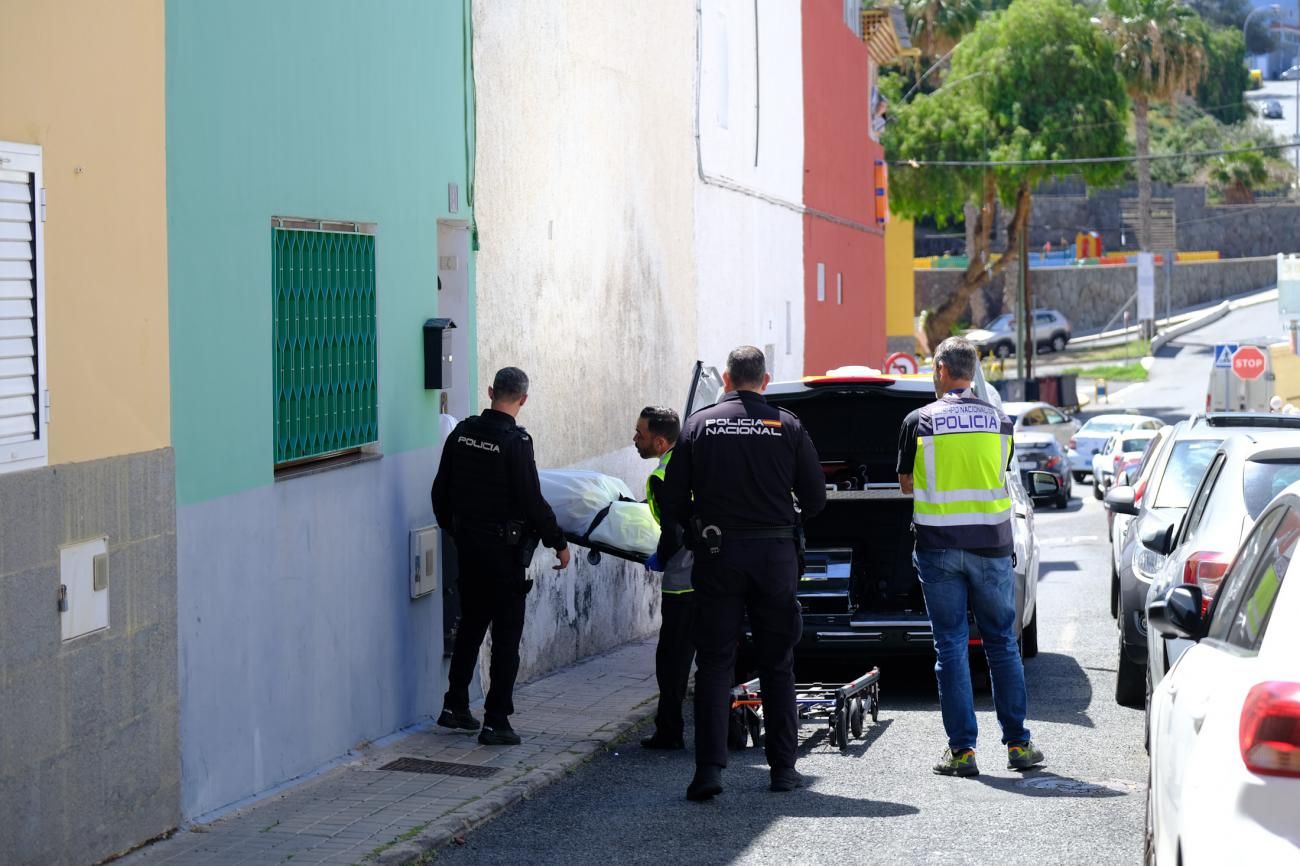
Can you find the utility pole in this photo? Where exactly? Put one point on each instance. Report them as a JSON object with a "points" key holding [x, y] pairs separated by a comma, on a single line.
{"points": [[1020, 313], [1031, 344]]}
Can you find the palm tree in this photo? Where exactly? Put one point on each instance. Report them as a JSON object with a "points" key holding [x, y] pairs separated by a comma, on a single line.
{"points": [[1160, 55], [938, 25]]}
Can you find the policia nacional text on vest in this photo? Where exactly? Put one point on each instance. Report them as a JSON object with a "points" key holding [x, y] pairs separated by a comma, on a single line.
{"points": [[959, 489]]}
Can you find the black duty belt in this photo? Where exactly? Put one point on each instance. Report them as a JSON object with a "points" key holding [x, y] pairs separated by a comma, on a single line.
{"points": [[782, 533]]}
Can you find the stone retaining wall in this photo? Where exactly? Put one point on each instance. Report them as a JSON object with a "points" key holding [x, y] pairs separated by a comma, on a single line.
{"points": [[1089, 296]]}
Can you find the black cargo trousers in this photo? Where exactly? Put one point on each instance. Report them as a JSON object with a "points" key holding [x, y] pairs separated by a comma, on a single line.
{"points": [[492, 593], [758, 577]]}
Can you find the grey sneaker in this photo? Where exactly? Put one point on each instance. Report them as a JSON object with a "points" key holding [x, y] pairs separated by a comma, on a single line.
{"points": [[1023, 756], [958, 763]]}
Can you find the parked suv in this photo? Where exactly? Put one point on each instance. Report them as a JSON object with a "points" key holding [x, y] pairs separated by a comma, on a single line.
{"points": [[860, 595], [1051, 331]]}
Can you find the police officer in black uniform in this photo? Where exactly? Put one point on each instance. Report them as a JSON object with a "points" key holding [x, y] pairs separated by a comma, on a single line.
{"points": [[487, 495], [732, 484]]}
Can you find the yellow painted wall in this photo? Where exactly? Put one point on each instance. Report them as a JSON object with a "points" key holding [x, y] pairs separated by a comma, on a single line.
{"points": [[84, 79], [899, 280], [1286, 369]]}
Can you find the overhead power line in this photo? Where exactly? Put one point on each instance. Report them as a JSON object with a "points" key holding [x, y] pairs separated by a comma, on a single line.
{"points": [[1095, 160]]}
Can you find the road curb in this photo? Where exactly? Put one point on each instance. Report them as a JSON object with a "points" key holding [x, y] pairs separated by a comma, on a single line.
{"points": [[1210, 316], [445, 830]]}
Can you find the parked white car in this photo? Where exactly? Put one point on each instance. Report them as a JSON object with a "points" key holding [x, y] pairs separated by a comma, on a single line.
{"points": [[1092, 436], [1042, 418], [1131, 444], [1225, 721]]}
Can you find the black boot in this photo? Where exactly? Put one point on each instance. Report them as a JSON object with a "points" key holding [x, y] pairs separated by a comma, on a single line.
{"points": [[662, 741], [706, 785], [786, 779], [498, 734], [460, 720]]}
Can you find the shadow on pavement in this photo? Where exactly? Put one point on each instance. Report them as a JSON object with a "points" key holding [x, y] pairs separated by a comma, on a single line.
{"points": [[1039, 783], [1059, 690], [1045, 568], [819, 740]]}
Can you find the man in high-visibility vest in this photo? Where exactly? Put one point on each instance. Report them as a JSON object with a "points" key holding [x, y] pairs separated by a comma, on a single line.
{"points": [[657, 429], [953, 457]]}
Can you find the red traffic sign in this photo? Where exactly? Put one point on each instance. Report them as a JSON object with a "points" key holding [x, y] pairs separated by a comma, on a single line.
{"points": [[1248, 362], [901, 364]]}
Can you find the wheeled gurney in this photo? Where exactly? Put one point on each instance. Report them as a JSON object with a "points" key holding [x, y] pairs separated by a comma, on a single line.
{"points": [[841, 707]]}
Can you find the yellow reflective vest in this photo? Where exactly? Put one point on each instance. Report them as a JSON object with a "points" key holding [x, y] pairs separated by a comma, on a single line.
{"points": [[959, 484]]}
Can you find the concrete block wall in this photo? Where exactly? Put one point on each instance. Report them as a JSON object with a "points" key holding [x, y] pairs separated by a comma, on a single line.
{"points": [[1089, 296], [89, 762]]}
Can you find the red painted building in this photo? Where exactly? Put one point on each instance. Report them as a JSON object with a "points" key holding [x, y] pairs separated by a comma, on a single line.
{"points": [[844, 251]]}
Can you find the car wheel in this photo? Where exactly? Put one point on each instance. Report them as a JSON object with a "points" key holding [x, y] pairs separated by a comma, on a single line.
{"points": [[1058, 342], [1114, 590], [1130, 679], [1029, 637], [1079, 476], [1003, 350], [1096, 488]]}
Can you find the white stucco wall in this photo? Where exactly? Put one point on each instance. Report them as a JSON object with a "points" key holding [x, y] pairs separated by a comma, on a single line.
{"points": [[584, 193], [748, 230], [586, 274]]}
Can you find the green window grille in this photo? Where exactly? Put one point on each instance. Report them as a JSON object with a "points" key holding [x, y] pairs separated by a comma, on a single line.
{"points": [[326, 385]]}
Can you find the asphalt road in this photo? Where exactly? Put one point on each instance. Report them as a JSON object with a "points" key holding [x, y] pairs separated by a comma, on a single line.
{"points": [[880, 802], [1180, 373]]}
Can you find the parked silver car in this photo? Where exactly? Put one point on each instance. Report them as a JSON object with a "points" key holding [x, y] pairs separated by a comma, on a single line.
{"points": [[998, 337], [1247, 471], [1096, 432]]}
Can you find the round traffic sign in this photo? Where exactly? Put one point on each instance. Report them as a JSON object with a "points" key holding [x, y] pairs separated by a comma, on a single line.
{"points": [[1248, 362], [901, 363]]}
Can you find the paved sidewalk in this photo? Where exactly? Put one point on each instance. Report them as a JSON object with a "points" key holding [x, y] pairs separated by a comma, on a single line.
{"points": [[361, 814]]}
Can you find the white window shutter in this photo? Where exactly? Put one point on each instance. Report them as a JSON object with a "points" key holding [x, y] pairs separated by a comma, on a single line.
{"points": [[21, 424]]}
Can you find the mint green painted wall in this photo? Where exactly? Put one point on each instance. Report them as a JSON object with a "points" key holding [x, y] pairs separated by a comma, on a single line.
{"points": [[313, 108]]}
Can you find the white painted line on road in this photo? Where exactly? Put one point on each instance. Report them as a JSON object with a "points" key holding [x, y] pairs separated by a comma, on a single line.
{"points": [[1069, 539]]}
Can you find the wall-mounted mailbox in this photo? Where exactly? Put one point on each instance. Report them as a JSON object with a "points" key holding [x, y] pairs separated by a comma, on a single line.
{"points": [[437, 353]]}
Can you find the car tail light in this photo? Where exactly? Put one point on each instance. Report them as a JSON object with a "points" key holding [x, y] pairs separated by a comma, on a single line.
{"points": [[1206, 569], [1052, 462], [1269, 734], [1139, 490], [1071, 445]]}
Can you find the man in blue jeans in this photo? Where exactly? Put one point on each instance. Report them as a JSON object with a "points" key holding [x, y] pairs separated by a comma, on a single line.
{"points": [[953, 457]]}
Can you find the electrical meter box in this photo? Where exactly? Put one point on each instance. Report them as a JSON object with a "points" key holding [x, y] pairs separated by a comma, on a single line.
{"points": [[426, 561]]}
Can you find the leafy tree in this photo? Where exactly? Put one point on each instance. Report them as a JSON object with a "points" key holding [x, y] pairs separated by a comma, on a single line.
{"points": [[1160, 55], [1034, 82], [1226, 75], [1232, 15]]}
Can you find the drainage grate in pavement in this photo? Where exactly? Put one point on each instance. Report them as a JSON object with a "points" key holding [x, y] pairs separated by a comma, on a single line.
{"points": [[443, 768]]}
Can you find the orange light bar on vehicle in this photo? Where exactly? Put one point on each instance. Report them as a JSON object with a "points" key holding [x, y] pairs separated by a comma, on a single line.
{"points": [[849, 380]]}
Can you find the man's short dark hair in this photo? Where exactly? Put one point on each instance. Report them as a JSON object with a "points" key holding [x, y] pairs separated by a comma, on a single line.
{"points": [[959, 355], [510, 384], [662, 421], [747, 367]]}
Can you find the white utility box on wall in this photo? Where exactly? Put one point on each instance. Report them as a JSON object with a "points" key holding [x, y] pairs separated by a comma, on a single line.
{"points": [[83, 587], [425, 561]]}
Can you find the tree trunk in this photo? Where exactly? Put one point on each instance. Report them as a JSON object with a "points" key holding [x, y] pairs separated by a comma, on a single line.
{"points": [[938, 325], [1142, 132], [979, 306]]}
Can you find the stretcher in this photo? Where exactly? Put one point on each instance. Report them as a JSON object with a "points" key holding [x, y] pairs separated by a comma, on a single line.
{"points": [[842, 708]]}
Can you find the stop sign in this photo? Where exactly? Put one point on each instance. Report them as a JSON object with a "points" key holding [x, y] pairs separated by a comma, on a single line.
{"points": [[1248, 362]]}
